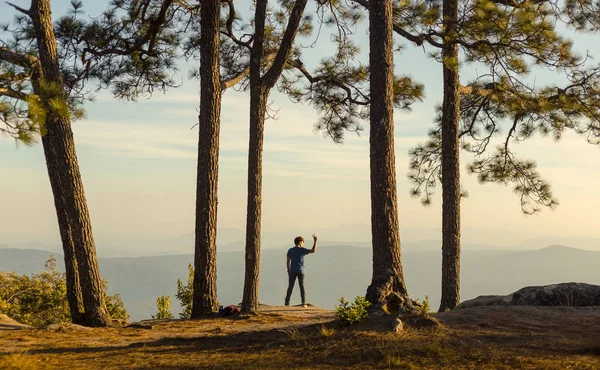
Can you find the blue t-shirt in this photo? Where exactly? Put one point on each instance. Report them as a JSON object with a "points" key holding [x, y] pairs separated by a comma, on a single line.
{"points": [[297, 258]]}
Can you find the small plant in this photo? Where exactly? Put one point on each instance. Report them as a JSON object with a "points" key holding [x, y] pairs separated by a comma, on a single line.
{"points": [[351, 313], [424, 308], [295, 337], [397, 361], [292, 333], [185, 294], [326, 332], [163, 306]]}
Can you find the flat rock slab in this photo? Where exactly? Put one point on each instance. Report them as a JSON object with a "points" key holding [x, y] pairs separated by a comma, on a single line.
{"points": [[297, 311], [555, 295], [6, 323]]}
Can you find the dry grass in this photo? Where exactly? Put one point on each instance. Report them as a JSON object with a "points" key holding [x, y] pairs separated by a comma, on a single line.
{"points": [[327, 332], [504, 338]]}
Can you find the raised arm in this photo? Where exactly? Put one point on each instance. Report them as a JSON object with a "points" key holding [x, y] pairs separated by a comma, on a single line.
{"points": [[314, 248]]}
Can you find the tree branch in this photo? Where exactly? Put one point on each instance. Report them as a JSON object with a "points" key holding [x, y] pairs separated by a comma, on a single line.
{"points": [[520, 4], [24, 11], [417, 39], [22, 60], [225, 84], [149, 36], [229, 26], [285, 48], [7, 91], [313, 80]]}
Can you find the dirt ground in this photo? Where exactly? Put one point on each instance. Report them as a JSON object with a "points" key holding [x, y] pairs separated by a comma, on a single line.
{"points": [[293, 337]]}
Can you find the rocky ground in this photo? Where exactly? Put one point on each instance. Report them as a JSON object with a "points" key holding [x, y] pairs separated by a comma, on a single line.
{"points": [[294, 337]]}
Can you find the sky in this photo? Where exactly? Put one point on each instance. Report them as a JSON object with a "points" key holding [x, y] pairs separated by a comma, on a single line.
{"points": [[138, 162]]}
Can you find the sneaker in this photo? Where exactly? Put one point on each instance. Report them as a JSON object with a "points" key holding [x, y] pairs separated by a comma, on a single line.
{"points": [[304, 305], [287, 303]]}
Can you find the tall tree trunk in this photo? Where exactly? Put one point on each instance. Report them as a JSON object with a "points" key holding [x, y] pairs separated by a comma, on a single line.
{"points": [[204, 299], [74, 298], [258, 108], [260, 86], [387, 260], [450, 163], [65, 178]]}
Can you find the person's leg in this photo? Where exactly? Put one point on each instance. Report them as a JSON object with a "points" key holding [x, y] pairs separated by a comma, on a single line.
{"points": [[291, 281], [301, 283]]}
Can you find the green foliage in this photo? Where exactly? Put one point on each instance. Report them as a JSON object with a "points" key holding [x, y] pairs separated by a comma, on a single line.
{"points": [[163, 306], [130, 47], [23, 130], [36, 300], [350, 313], [185, 294], [512, 40], [584, 15], [424, 308], [41, 299]]}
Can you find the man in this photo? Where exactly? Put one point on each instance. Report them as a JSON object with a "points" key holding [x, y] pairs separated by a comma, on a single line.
{"points": [[295, 267]]}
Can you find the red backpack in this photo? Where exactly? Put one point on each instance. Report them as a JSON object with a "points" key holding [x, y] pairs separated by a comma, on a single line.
{"points": [[231, 310]]}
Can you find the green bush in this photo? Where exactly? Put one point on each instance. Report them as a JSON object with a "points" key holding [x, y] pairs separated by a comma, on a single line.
{"points": [[163, 306], [115, 305], [185, 294], [350, 313], [424, 308], [41, 299]]}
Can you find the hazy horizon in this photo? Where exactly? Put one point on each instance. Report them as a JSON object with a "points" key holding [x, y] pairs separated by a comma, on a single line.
{"points": [[231, 239]]}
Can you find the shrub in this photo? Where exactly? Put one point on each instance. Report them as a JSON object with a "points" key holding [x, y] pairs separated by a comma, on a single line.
{"points": [[185, 294], [424, 308], [41, 299], [326, 332], [116, 306], [351, 313], [163, 306]]}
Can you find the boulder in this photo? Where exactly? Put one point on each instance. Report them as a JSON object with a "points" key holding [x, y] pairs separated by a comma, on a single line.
{"points": [[564, 294], [6, 323]]}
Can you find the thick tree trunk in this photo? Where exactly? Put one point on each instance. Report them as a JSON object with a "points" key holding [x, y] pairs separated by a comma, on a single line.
{"points": [[450, 164], [205, 260], [74, 298], [259, 92], [65, 178], [258, 107], [387, 260]]}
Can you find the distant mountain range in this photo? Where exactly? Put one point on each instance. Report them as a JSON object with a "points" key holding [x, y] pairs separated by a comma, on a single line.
{"points": [[334, 271]]}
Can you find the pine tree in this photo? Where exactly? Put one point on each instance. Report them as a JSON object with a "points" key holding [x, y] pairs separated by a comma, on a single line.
{"points": [[44, 72], [205, 252], [387, 262], [508, 37], [450, 160]]}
